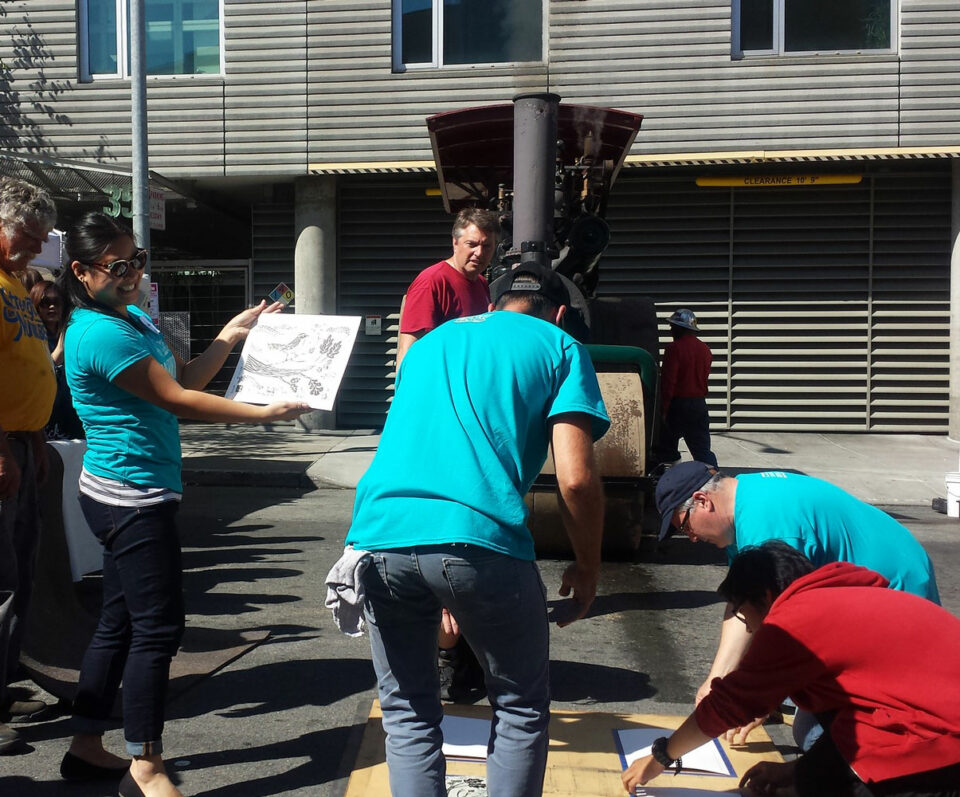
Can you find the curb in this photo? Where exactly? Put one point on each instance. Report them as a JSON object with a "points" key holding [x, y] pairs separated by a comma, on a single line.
{"points": [[236, 478]]}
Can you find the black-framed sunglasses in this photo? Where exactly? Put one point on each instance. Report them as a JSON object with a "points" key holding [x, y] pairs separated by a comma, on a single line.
{"points": [[119, 268]]}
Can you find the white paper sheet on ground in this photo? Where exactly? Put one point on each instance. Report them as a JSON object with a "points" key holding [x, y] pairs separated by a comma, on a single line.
{"points": [[294, 358], [708, 759], [465, 738]]}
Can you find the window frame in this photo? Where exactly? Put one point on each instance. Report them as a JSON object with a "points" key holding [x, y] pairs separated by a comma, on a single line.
{"points": [[777, 50], [123, 48], [436, 17]]}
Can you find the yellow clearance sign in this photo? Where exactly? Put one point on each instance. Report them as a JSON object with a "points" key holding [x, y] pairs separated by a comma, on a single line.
{"points": [[779, 180]]}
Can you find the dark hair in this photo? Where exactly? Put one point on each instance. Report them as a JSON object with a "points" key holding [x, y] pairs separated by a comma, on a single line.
{"points": [[41, 289], [772, 566], [484, 220], [535, 303], [30, 277], [85, 243]]}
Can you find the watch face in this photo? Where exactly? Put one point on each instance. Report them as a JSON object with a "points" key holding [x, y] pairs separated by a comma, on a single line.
{"points": [[659, 752]]}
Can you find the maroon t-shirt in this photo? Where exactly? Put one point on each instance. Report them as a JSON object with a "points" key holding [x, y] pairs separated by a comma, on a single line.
{"points": [[440, 293], [685, 370]]}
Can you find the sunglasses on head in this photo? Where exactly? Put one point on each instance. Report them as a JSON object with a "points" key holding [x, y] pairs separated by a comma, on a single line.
{"points": [[119, 268]]}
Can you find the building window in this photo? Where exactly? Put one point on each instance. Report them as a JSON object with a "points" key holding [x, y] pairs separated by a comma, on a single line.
{"points": [[459, 32], [775, 27], [183, 37]]}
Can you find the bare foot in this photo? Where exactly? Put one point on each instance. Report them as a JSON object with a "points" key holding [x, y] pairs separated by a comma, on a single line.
{"points": [[89, 747]]}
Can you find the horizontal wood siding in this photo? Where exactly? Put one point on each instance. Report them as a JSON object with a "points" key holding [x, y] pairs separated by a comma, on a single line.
{"points": [[266, 90], [930, 80], [311, 81], [360, 110]]}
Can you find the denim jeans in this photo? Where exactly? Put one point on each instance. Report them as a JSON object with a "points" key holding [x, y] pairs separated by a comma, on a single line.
{"points": [[141, 622], [19, 541], [806, 729], [500, 604]]}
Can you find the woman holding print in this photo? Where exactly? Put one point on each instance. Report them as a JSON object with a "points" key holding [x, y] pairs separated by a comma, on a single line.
{"points": [[129, 390]]}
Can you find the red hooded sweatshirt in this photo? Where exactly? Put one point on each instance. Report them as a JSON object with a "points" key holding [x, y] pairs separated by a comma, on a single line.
{"points": [[886, 661]]}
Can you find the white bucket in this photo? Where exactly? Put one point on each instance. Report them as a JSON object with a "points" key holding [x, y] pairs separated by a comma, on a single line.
{"points": [[953, 494]]}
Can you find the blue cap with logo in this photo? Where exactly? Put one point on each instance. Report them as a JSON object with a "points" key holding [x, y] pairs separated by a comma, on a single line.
{"points": [[676, 486]]}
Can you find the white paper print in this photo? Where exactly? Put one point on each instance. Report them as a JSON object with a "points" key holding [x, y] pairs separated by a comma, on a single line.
{"points": [[294, 358], [466, 786]]}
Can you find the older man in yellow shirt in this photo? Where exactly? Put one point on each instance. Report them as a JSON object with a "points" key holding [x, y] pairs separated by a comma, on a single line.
{"points": [[27, 391]]}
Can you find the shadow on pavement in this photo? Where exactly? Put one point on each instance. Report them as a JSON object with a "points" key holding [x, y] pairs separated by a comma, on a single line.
{"points": [[573, 682], [308, 775], [277, 687], [645, 601]]}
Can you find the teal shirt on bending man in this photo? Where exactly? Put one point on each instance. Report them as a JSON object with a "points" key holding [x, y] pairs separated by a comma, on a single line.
{"points": [[467, 434], [829, 525]]}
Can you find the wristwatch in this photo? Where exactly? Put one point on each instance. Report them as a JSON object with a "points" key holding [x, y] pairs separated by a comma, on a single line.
{"points": [[660, 755]]}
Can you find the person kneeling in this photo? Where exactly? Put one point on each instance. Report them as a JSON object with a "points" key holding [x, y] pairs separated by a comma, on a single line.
{"points": [[877, 666]]}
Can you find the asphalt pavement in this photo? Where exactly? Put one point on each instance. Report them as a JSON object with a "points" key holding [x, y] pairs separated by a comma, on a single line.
{"points": [[284, 718]]}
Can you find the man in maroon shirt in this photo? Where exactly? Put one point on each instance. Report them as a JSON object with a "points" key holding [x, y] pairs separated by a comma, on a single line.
{"points": [[683, 391], [455, 287]]}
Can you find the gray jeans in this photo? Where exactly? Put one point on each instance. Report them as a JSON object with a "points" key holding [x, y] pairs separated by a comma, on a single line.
{"points": [[19, 541], [500, 605]]}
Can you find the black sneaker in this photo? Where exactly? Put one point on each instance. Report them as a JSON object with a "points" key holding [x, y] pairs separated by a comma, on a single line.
{"points": [[445, 664], [461, 676]]}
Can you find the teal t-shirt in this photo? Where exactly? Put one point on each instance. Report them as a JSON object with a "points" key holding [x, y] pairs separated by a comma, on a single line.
{"points": [[829, 525], [468, 431], [128, 439]]}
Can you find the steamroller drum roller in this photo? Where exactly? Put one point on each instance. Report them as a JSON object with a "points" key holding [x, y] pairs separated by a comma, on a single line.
{"points": [[620, 457]]}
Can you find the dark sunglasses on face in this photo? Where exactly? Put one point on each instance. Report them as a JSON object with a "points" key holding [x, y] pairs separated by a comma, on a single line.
{"points": [[119, 268]]}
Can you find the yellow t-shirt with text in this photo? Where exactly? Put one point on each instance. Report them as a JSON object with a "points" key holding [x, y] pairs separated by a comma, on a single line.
{"points": [[28, 385]]}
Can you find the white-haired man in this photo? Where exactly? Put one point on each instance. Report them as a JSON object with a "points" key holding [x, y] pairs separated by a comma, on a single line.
{"points": [[27, 391]]}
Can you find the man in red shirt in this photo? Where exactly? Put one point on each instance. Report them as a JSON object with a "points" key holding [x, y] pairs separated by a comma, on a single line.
{"points": [[683, 391], [455, 287]]}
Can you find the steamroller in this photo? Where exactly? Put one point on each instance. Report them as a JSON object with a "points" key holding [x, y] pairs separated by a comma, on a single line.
{"points": [[547, 168]]}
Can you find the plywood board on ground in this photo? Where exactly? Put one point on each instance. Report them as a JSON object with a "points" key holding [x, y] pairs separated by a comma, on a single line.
{"points": [[582, 762]]}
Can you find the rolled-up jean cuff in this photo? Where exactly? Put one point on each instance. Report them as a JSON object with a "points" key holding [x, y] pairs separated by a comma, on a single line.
{"points": [[145, 748]]}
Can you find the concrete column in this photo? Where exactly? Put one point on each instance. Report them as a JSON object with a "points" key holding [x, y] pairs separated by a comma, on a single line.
{"points": [[954, 429], [315, 260]]}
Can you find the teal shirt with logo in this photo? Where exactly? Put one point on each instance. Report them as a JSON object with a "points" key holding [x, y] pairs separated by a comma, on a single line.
{"points": [[829, 525], [128, 439], [467, 434]]}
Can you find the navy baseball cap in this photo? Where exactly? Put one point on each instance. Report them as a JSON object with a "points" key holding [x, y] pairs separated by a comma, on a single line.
{"points": [[531, 278], [676, 486]]}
